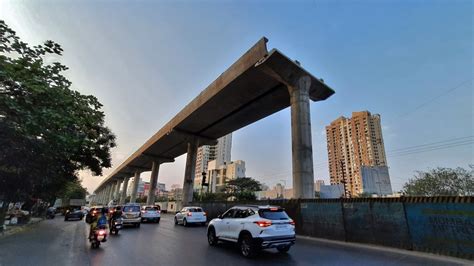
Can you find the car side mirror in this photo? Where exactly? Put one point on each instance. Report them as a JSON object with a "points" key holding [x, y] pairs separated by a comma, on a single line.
{"points": [[219, 216]]}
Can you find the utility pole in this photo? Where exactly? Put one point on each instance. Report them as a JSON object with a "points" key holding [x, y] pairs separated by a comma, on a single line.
{"points": [[346, 192]]}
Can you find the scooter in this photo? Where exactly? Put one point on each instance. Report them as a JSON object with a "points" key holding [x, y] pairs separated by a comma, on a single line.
{"points": [[115, 226], [99, 235]]}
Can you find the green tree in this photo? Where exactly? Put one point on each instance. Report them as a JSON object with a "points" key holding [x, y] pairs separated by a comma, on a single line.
{"points": [[441, 182], [48, 132], [243, 188], [73, 190]]}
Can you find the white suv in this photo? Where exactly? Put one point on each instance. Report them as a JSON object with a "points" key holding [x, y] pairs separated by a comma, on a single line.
{"points": [[253, 228]]}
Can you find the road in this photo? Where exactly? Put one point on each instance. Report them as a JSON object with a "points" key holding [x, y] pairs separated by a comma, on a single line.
{"points": [[56, 242]]}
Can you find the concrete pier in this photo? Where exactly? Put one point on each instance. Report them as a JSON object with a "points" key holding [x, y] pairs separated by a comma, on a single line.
{"points": [[189, 172], [155, 168], [302, 148], [123, 196], [133, 194]]}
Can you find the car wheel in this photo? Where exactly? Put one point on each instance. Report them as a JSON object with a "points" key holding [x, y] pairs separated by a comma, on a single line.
{"points": [[175, 220], [138, 225], [247, 248], [185, 223], [158, 220], [283, 249], [211, 237]]}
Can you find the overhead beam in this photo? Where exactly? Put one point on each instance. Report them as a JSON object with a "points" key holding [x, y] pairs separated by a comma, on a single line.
{"points": [[202, 140], [161, 159]]}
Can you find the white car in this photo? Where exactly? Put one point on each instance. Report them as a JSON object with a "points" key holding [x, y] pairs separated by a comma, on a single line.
{"points": [[253, 228], [190, 215], [151, 213]]}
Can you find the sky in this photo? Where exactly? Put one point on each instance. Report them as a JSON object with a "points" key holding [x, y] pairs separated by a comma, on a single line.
{"points": [[409, 61]]}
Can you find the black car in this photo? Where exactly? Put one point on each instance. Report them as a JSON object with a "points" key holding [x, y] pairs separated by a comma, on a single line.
{"points": [[73, 214]]}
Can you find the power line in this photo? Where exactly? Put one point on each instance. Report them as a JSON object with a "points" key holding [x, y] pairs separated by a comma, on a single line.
{"points": [[428, 144], [433, 146], [432, 149], [436, 97]]}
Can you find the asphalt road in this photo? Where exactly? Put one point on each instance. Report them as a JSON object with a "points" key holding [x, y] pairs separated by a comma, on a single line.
{"points": [[56, 242]]}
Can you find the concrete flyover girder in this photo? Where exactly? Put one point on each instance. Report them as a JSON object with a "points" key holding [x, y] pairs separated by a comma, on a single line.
{"points": [[253, 87]]}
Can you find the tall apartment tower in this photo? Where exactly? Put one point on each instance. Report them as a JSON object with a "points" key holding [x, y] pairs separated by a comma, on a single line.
{"points": [[352, 143], [206, 153]]}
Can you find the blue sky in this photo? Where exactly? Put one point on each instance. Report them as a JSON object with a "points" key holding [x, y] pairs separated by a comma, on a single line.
{"points": [[409, 61]]}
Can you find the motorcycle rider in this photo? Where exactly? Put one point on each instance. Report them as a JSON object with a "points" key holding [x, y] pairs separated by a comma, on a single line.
{"points": [[98, 220], [115, 215]]}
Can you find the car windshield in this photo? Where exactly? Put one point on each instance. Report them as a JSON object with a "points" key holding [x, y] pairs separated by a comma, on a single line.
{"points": [[131, 208], [273, 214], [151, 209], [195, 209]]}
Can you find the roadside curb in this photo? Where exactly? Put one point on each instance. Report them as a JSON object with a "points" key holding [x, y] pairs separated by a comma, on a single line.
{"points": [[20, 228], [441, 258]]}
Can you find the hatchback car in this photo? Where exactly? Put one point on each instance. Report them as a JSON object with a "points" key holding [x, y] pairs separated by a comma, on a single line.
{"points": [[73, 213], [151, 213], [190, 215], [131, 214], [253, 228]]}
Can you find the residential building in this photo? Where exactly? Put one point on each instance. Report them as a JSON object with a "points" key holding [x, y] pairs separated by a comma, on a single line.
{"points": [[218, 175], [352, 143], [221, 152]]}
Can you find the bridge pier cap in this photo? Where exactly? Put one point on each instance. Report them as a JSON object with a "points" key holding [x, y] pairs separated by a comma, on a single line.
{"points": [[258, 84]]}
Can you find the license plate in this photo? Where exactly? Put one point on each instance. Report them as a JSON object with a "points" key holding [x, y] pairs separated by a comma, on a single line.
{"points": [[279, 227], [118, 226], [100, 238]]}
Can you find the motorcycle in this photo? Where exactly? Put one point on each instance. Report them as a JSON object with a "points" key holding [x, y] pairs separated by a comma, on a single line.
{"points": [[99, 235], [115, 226]]}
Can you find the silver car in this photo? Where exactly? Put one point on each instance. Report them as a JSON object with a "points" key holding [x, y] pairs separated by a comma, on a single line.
{"points": [[131, 214]]}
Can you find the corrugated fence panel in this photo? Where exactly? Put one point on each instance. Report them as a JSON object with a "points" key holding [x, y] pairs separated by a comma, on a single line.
{"points": [[322, 219], [445, 228], [389, 225], [358, 222]]}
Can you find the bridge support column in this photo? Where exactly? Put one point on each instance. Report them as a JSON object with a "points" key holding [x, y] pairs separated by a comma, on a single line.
{"points": [[110, 194], [302, 148], [188, 185], [117, 190], [136, 181], [101, 196], [124, 190], [155, 168]]}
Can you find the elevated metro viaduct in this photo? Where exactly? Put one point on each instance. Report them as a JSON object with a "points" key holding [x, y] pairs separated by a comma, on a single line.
{"points": [[257, 85]]}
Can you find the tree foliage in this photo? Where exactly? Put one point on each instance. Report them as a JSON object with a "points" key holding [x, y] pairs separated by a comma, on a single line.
{"points": [[243, 184], [73, 190], [243, 188], [48, 132], [442, 182]]}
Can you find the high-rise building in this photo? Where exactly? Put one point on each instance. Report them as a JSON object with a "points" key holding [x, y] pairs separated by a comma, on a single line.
{"points": [[352, 143], [206, 153]]}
